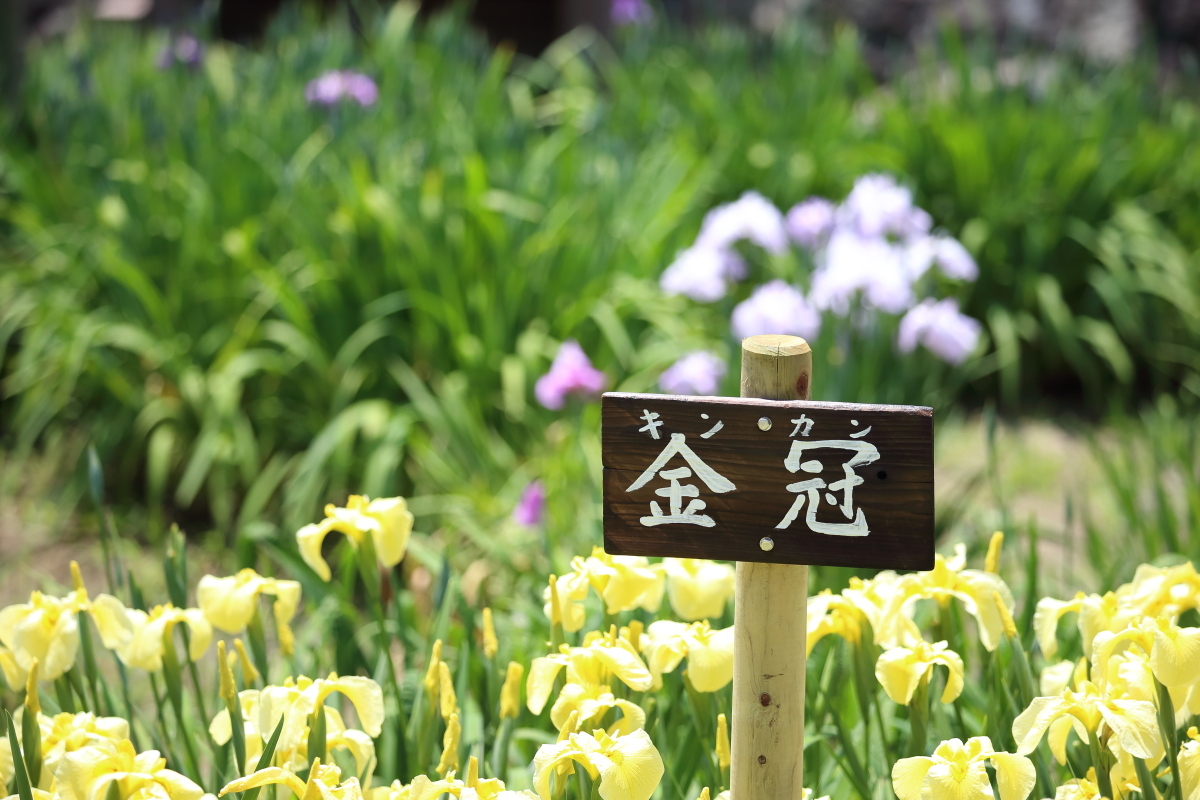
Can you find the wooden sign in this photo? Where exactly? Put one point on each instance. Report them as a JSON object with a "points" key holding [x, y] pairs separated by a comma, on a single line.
{"points": [[784, 482]]}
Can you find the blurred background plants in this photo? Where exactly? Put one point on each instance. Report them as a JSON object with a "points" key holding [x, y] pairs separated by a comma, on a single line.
{"points": [[251, 303]]}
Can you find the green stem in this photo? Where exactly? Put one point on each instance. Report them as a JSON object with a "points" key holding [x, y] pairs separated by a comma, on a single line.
{"points": [[1145, 779], [500, 749], [89, 662], [258, 647], [918, 719], [1102, 778], [63, 690], [1166, 725], [172, 675]]}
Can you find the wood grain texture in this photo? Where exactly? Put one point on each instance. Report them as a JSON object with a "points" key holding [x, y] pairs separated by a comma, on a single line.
{"points": [[769, 643], [770, 612], [896, 495]]}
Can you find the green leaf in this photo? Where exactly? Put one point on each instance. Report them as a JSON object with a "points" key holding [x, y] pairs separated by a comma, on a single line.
{"points": [[24, 790], [264, 760]]}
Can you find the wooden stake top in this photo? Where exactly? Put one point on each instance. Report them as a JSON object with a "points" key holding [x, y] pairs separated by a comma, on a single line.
{"points": [[774, 344]]}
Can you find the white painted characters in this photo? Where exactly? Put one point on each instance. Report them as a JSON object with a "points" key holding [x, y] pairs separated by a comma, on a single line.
{"points": [[862, 453], [683, 499], [677, 491]]}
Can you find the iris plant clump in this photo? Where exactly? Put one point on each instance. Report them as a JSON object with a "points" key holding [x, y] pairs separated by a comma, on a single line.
{"points": [[924, 678], [871, 255]]}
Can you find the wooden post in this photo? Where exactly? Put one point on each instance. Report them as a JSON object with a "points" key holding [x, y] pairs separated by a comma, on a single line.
{"points": [[770, 618]]}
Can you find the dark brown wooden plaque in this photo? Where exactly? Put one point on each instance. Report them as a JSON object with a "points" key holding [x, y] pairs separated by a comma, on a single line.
{"points": [[711, 477]]}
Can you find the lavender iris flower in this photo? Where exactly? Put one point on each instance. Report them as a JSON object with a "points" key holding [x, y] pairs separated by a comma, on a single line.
{"points": [[946, 332], [630, 12], [854, 263], [808, 223], [571, 373], [878, 206], [183, 49], [776, 307], [336, 85], [702, 273], [531, 506], [946, 252], [696, 373], [752, 217]]}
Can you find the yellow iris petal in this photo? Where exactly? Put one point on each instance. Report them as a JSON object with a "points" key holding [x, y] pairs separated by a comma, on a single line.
{"points": [[908, 776], [1189, 769], [1175, 658], [540, 682], [630, 767], [1015, 775], [1045, 621], [87, 773], [697, 588], [387, 520], [710, 657]]}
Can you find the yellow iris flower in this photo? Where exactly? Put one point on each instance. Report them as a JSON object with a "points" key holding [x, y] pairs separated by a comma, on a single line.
{"points": [[87, 774], [152, 633], [601, 658], [1084, 788], [324, 783], [230, 603], [956, 772], [564, 600], [592, 701], [625, 582], [1164, 592], [297, 698], [1056, 677], [1133, 723], [472, 788], [709, 653], [388, 521], [830, 613], [628, 767], [47, 629], [948, 580], [901, 669], [1189, 765], [61, 734], [697, 588], [360, 746], [1173, 652]]}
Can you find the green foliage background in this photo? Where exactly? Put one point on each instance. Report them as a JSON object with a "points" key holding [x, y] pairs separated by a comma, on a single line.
{"points": [[252, 305]]}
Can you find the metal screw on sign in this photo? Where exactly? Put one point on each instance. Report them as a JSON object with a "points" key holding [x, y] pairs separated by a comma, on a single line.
{"points": [[775, 482]]}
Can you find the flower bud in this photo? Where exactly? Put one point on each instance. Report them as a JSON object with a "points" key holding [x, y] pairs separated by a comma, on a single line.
{"points": [[250, 675], [431, 674], [510, 692], [448, 702], [723, 757], [490, 643], [77, 579], [1010, 627], [449, 759], [32, 702], [228, 687], [992, 562]]}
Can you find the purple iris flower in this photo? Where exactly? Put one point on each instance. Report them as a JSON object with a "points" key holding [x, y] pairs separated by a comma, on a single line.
{"points": [[531, 507], [571, 373]]}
